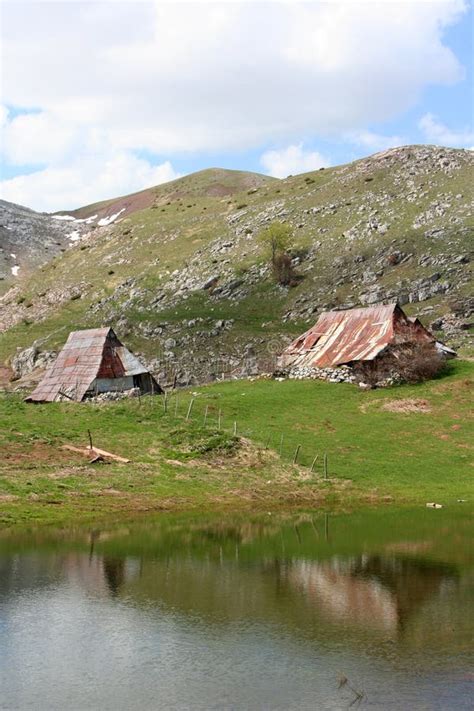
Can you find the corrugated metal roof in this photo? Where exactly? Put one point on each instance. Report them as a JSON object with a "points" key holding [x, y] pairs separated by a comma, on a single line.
{"points": [[86, 355], [341, 337]]}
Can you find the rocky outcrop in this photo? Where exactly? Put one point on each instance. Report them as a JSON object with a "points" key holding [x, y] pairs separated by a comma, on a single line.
{"points": [[29, 239], [30, 359]]}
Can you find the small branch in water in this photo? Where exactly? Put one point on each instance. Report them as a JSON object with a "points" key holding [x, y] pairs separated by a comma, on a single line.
{"points": [[358, 695]]}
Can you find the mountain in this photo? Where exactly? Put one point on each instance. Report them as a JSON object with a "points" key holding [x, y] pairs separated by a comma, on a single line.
{"points": [[182, 276], [29, 239]]}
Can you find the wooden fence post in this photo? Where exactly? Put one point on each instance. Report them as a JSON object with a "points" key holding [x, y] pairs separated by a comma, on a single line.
{"points": [[188, 415], [296, 453]]}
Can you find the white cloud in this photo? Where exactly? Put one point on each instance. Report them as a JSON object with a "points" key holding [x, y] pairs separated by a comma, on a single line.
{"points": [[374, 141], [84, 181], [437, 132], [3, 115], [38, 138], [173, 77], [291, 161]]}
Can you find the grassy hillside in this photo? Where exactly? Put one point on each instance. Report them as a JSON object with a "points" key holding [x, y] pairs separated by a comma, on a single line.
{"points": [[412, 445], [397, 225], [213, 182]]}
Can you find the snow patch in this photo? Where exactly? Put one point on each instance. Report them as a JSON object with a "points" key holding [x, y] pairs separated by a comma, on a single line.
{"points": [[74, 236], [64, 217], [13, 256], [108, 220], [15, 270], [87, 220]]}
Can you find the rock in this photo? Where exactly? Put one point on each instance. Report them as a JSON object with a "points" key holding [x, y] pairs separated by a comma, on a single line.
{"points": [[232, 285], [210, 282], [437, 325], [339, 374], [24, 361], [29, 359], [117, 395]]}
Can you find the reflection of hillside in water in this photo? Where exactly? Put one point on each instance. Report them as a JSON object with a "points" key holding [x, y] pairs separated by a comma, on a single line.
{"points": [[361, 597], [264, 573]]}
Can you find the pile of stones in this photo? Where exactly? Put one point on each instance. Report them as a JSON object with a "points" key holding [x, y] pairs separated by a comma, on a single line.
{"points": [[341, 374], [115, 395]]}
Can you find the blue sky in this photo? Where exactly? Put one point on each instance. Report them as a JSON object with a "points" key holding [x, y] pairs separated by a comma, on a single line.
{"points": [[104, 98]]}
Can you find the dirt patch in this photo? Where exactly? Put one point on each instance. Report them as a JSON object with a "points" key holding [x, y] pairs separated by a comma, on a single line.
{"points": [[37, 453], [407, 406], [5, 376], [111, 492]]}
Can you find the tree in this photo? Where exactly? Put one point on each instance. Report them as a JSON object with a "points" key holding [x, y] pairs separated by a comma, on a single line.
{"points": [[276, 238]]}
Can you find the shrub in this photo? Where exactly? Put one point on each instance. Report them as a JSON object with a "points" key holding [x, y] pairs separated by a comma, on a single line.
{"points": [[282, 268], [407, 362]]}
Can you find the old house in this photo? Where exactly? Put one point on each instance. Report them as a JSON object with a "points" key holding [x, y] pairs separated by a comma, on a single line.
{"points": [[91, 362], [357, 336]]}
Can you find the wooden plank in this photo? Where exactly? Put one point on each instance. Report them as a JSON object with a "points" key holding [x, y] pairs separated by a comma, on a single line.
{"points": [[95, 451]]}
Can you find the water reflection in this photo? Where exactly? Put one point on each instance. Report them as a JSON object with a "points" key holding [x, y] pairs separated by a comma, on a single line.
{"points": [[320, 589], [369, 591]]}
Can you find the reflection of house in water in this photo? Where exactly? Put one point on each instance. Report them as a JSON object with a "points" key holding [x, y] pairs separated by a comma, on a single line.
{"points": [[368, 591], [96, 575], [114, 573]]}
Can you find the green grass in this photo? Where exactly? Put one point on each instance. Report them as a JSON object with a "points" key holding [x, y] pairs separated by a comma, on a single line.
{"points": [[416, 456], [374, 455]]}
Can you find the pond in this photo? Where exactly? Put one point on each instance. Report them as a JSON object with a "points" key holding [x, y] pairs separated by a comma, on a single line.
{"points": [[309, 611]]}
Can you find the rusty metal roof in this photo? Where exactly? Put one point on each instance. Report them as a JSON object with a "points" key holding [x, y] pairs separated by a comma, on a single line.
{"points": [[86, 355], [341, 337]]}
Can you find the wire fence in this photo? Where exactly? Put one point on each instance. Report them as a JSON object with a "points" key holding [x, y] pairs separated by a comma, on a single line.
{"points": [[182, 407]]}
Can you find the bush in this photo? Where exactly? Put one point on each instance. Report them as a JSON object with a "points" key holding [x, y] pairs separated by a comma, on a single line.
{"points": [[276, 240], [407, 362], [282, 269]]}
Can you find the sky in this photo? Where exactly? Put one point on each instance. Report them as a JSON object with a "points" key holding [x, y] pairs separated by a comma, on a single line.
{"points": [[100, 99]]}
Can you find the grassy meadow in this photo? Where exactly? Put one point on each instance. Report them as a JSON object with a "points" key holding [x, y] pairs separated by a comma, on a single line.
{"points": [[405, 445]]}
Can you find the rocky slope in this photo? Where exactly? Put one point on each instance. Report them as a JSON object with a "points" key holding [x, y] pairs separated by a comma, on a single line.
{"points": [[29, 239], [184, 279]]}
